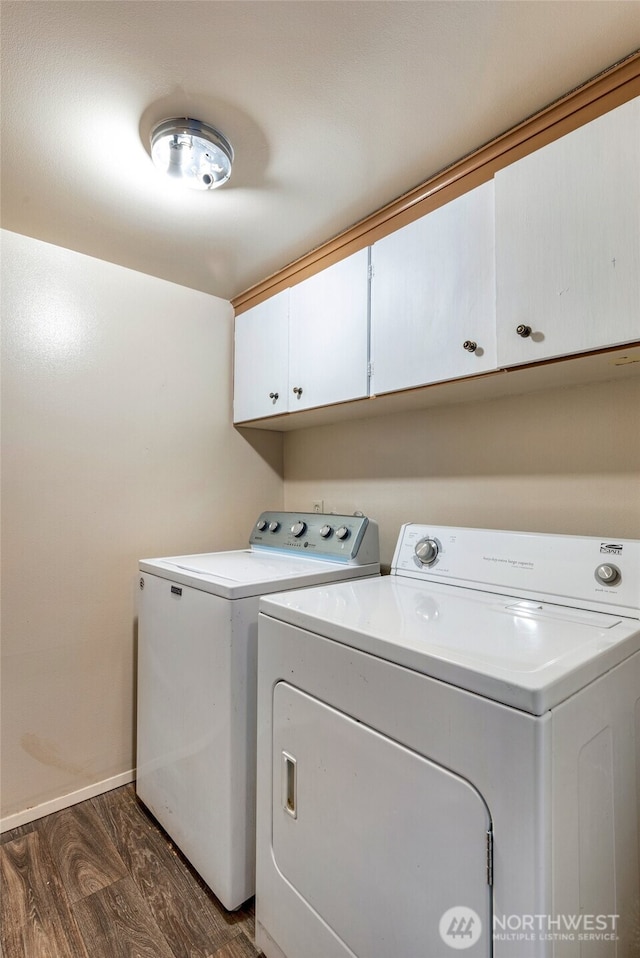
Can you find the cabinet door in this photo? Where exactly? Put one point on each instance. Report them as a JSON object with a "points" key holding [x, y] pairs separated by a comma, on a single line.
{"points": [[568, 242], [261, 359], [329, 335], [432, 291]]}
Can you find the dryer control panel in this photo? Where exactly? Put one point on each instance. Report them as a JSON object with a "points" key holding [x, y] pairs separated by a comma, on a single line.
{"points": [[580, 571], [339, 538]]}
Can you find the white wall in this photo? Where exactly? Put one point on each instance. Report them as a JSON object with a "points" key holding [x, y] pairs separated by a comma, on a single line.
{"points": [[564, 461], [117, 444]]}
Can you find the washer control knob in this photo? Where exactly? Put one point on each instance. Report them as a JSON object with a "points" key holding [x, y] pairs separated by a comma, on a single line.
{"points": [[274, 526], [261, 525], [608, 574], [342, 533], [326, 531], [426, 551], [298, 528]]}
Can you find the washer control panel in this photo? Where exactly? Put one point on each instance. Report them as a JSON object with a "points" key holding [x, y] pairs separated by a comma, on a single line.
{"points": [[318, 535], [581, 571]]}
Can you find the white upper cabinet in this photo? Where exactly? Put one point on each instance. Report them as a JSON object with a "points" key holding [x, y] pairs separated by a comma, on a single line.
{"points": [[307, 346], [541, 262], [261, 360], [329, 335], [433, 296], [568, 242]]}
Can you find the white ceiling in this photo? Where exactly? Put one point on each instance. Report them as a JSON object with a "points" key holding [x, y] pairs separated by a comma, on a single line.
{"points": [[333, 109]]}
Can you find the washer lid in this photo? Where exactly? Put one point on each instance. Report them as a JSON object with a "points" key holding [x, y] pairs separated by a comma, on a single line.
{"points": [[246, 572], [527, 654]]}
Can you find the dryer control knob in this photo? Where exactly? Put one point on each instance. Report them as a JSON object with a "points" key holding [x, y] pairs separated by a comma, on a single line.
{"points": [[261, 524], [608, 574], [274, 526], [426, 551], [298, 528], [326, 531], [342, 533]]}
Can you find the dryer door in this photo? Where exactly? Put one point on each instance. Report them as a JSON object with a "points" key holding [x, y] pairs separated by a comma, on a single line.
{"points": [[387, 850]]}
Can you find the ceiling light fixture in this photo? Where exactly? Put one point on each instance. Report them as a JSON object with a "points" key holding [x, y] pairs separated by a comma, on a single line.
{"points": [[191, 152]]}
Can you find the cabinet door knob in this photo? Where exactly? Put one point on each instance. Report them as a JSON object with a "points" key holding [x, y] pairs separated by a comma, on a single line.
{"points": [[523, 331], [298, 391], [274, 396], [469, 345]]}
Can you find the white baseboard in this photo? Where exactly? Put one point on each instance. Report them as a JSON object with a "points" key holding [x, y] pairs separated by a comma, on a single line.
{"points": [[65, 801]]}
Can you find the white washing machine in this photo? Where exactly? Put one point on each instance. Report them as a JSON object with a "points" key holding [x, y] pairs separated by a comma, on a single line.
{"points": [[449, 756], [197, 651]]}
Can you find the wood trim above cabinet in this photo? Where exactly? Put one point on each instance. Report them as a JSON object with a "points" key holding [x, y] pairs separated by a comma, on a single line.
{"points": [[604, 92]]}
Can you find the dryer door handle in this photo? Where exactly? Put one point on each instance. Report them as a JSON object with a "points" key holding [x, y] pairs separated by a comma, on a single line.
{"points": [[289, 784]]}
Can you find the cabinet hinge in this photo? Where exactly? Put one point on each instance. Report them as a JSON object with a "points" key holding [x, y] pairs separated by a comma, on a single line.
{"points": [[370, 270], [369, 370], [490, 857]]}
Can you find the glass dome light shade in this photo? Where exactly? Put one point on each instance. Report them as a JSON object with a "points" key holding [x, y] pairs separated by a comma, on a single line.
{"points": [[192, 153]]}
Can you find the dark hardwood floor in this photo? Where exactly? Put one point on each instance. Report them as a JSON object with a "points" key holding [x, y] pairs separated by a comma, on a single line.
{"points": [[103, 880]]}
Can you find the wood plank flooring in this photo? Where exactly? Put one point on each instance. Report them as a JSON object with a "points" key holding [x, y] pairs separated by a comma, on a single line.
{"points": [[103, 880]]}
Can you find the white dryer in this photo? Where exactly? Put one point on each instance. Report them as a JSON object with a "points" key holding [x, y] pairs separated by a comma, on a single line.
{"points": [[197, 652], [449, 756]]}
